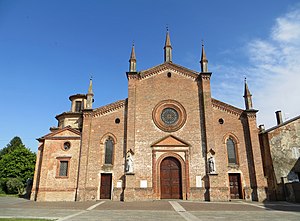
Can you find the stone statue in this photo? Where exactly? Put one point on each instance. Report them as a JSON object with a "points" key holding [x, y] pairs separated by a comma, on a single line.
{"points": [[211, 165], [129, 163]]}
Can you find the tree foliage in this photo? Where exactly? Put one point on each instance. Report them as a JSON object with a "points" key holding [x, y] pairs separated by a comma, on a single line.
{"points": [[13, 144], [16, 165]]}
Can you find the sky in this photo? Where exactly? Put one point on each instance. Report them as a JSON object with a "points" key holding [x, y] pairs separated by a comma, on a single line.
{"points": [[49, 50]]}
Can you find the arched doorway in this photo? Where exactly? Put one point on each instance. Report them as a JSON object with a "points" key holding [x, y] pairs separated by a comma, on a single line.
{"points": [[170, 179]]}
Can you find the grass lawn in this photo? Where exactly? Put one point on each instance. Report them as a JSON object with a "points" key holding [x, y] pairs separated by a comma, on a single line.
{"points": [[20, 219], [5, 195]]}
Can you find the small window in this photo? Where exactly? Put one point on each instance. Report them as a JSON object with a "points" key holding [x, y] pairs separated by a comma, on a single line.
{"points": [[77, 106], [117, 120], [221, 121], [169, 75], [67, 145], [63, 168], [231, 151], [109, 150]]}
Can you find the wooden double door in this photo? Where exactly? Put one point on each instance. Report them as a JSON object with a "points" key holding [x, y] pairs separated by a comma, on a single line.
{"points": [[235, 186], [105, 186], [170, 179]]}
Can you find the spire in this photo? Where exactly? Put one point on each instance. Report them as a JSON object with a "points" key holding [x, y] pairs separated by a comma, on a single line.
{"points": [[132, 60], [204, 61], [90, 91], [168, 48], [90, 95], [247, 97]]}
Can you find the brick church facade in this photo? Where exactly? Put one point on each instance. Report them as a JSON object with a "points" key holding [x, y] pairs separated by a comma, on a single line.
{"points": [[168, 140]]}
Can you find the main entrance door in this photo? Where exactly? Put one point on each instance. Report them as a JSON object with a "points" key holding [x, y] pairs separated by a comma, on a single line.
{"points": [[105, 186], [235, 186], [170, 179]]}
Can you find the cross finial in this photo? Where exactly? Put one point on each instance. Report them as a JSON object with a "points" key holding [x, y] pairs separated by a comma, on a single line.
{"points": [[167, 27], [202, 42]]}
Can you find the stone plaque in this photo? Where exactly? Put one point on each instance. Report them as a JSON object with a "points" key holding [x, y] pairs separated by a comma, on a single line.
{"points": [[143, 184], [198, 181]]}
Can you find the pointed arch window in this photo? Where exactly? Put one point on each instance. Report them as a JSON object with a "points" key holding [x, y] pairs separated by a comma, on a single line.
{"points": [[109, 151], [231, 151]]}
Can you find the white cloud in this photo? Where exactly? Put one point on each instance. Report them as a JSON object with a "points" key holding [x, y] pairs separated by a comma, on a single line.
{"points": [[287, 27], [277, 60], [273, 70]]}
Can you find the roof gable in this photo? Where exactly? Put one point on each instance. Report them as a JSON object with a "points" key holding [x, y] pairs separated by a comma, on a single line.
{"points": [[163, 67], [170, 140], [62, 133]]}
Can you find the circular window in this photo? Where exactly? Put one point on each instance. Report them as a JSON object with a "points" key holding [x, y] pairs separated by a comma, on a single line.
{"points": [[117, 120], [169, 115], [221, 121], [67, 145]]}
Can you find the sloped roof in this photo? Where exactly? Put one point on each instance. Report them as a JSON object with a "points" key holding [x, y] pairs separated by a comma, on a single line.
{"points": [[226, 107], [108, 108], [54, 134], [283, 124], [167, 66]]}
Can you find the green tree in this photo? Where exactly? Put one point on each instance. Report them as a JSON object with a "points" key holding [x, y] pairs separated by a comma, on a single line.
{"points": [[17, 162], [13, 144]]}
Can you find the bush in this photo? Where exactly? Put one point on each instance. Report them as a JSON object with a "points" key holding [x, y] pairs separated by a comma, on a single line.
{"points": [[3, 185], [14, 185]]}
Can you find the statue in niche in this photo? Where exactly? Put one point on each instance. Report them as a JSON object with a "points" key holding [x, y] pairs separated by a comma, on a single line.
{"points": [[211, 165], [129, 163]]}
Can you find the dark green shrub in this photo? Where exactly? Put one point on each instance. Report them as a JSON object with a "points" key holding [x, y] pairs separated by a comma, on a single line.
{"points": [[14, 186], [3, 188]]}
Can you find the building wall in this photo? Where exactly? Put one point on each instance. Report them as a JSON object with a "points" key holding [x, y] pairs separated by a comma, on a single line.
{"points": [[147, 93], [281, 148], [96, 129], [48, 185], [284, 142], [233, 127]]}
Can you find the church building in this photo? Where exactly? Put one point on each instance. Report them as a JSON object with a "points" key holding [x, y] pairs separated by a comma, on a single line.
{"points": [[168, 140]]}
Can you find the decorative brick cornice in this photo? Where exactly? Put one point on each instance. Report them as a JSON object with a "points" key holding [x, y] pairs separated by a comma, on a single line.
{"points": [[68, 114], [87, 113], [250, 113], [108, 108], [64, 138], [205, 75], [132, 75], [56, 189], [226, 107], [168, 66]]}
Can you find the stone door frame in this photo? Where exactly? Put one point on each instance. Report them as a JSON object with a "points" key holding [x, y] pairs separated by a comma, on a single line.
{"points": [[157, 157]]}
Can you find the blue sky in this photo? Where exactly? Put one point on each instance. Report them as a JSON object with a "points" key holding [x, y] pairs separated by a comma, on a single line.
{"points": [[49, 50]]}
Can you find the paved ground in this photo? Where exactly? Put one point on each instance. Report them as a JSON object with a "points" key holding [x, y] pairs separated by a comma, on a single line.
{"points": [[149, 210]]}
